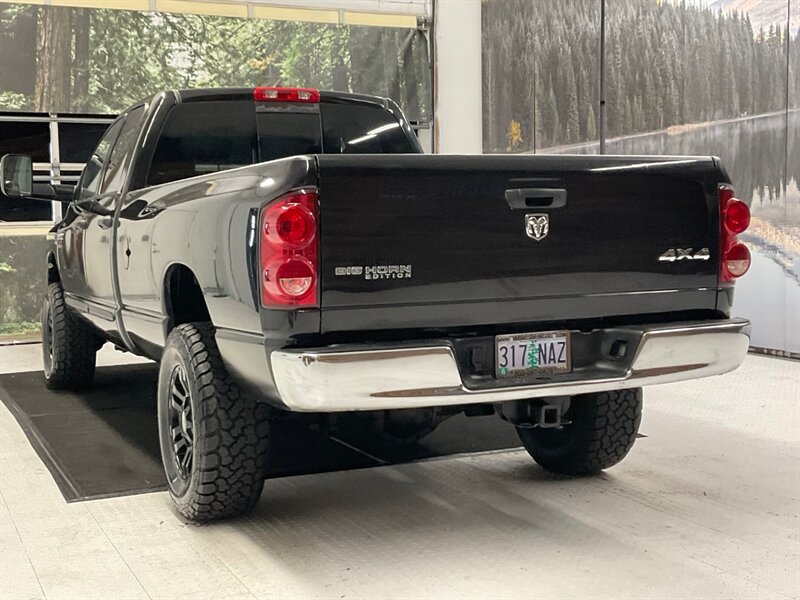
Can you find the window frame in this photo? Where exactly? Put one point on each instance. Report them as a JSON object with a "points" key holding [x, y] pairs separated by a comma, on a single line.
{"points": [[103, 190], [101, 174]]}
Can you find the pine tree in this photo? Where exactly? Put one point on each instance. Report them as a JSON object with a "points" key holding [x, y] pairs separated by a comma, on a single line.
{"points": [[572, 129], [591, 127], [538, 140], [550, 127]]}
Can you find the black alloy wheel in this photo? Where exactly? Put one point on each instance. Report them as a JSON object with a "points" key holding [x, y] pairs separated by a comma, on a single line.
{"points": [[181, 424]]}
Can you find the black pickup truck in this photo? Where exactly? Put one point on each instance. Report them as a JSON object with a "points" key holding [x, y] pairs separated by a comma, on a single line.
{"points": [[285, 249]]}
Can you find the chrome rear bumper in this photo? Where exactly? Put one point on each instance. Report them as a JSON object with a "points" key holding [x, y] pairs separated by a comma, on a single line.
{"points": [[331, 380]]}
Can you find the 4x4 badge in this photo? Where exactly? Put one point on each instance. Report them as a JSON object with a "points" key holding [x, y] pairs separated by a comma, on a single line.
{"points": [[537, 226], [676, 254]]}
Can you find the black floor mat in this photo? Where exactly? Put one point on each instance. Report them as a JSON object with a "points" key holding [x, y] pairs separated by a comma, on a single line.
{"points": [[104, 442]]}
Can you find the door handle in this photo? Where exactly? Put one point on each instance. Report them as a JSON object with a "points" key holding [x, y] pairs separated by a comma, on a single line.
{"points": [[127, 252], [520, 198]]}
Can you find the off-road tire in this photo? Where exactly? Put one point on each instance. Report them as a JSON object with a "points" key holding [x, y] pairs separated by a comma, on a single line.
{"points": [[69, 347], [230, 430], [600, 434]]}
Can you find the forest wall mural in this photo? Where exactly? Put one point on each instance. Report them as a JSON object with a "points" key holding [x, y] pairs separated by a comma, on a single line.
{"points": [[667, 64], [85, 60], [708, 77]]}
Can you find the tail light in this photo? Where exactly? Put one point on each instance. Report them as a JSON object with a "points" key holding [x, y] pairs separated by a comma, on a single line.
{"points": [[734, 219], [289, 251], [285, 94]]}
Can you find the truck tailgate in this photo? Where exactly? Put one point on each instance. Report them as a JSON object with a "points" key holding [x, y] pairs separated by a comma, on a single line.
{"points": [[470, 240]]}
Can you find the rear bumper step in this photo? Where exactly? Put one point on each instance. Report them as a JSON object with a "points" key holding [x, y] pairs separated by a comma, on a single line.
{"points": [[333, 380]]}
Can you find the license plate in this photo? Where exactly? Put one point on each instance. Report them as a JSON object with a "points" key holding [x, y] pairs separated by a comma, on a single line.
{"points": [[523, 354]]}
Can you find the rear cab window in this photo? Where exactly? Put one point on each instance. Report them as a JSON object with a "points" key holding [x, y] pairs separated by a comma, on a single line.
{"points": [[362, 129], [202, 137], [282, 133]]}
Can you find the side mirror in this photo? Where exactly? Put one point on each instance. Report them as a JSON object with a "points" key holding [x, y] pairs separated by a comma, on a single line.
{"points": [[16, 175]]}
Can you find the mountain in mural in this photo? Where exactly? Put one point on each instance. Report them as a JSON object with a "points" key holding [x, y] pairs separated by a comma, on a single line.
{"points": [[762, 13]]}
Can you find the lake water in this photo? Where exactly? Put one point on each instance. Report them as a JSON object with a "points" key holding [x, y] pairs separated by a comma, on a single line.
{"points": [[754, 152]]}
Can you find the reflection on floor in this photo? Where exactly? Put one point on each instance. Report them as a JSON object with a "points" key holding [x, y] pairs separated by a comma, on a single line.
{"points": [[104, 441]]}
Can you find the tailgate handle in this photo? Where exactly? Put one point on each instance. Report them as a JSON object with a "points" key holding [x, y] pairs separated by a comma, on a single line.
{"points": [[536, 197]]}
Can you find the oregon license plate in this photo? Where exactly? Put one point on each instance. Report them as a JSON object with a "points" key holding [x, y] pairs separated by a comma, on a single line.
{"points": [[523, 354]]}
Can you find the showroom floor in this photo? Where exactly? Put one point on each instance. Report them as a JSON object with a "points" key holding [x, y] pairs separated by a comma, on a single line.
{"points": [[706, 505]]}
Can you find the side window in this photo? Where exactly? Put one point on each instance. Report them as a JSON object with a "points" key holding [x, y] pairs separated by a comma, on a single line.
{"points": [[204, 137], [89, 184], [113, 179], [77, 140]]}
